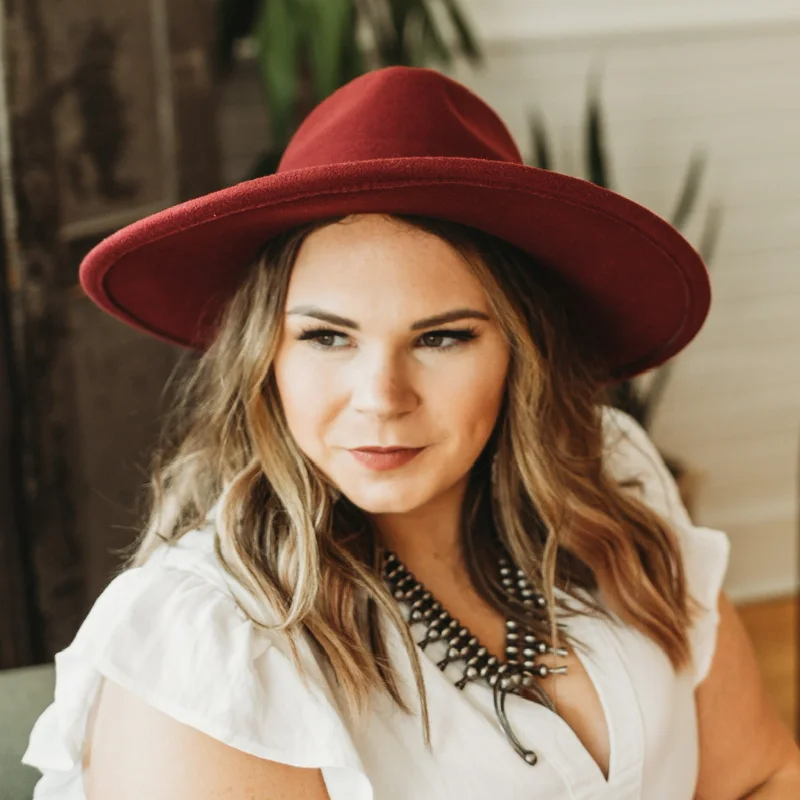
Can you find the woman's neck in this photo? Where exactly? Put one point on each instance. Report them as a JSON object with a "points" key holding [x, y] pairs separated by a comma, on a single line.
{"points": [[427, 540]]}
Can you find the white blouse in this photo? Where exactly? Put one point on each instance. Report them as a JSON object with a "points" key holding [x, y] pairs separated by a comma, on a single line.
{"points": [[171, 633]]}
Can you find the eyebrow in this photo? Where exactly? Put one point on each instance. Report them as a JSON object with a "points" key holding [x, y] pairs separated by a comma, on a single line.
{"points": [[428, 322]]}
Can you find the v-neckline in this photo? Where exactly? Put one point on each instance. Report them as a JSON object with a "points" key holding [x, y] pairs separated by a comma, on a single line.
{"points": [[608, 675], [565, 750], [606, 671]]}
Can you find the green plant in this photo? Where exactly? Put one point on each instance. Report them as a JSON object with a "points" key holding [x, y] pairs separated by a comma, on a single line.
{"points": [[306, 49], [629, 395]]}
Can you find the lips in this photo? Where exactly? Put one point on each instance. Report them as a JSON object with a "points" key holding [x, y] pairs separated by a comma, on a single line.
{"points": [[384, 458], [384, 449]]}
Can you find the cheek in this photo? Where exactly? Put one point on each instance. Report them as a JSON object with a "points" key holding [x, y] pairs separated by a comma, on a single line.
{"points": [[305, 395], [481, 395], [479, 410]]}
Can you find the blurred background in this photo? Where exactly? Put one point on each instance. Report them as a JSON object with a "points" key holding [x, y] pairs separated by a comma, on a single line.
{"points": [[113, 109]]}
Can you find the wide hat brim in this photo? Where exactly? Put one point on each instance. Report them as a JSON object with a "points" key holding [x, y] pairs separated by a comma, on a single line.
{"points": [[641, 288]]}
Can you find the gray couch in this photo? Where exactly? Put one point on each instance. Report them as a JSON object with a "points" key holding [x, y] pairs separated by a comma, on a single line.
{"points": [[24, 694]]}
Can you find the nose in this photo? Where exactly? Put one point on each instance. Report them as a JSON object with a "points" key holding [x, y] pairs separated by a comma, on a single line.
{"points": [[382, 387]]}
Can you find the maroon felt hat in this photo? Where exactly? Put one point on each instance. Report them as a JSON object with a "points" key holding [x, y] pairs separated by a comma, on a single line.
{"points": [[411, 141]]}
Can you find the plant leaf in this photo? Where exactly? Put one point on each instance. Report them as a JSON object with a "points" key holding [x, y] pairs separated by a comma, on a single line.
{"points": [[626, 397], [234, 20], [277, 39], [691, 188], [597, 163], [467, 41], [655, 394], [328, 24], [540, 157], [399, 49], [376, 14], [266, 164], [710, 235], [431, 39], [353, 62]]}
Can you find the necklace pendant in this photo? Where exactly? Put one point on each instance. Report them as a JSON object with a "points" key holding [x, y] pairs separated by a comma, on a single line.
{"points": [[519, 672], [500, 691]]}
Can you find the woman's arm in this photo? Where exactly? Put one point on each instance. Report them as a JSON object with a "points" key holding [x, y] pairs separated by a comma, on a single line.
{"points": [[745, 750], [137, 752]]}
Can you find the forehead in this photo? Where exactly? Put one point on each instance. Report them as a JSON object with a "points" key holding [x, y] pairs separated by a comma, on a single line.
{"points": [[371, 259]]}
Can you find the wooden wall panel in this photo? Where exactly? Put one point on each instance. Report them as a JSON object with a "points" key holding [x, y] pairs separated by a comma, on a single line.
{"points": [[17, 610], [112, 116]]}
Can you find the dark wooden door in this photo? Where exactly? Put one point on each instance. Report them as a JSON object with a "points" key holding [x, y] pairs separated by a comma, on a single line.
{"points": [[109, 115]]}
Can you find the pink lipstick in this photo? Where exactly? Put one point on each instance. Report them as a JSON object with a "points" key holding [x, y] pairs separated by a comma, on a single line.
{"points": [[383, 458]]}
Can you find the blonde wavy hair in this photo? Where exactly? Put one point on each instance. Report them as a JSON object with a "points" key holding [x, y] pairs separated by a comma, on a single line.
{"points": [[287, 536]]}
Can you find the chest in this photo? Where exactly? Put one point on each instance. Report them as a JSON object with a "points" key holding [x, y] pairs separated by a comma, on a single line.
{"points": [[625, 727], [574, 694]]}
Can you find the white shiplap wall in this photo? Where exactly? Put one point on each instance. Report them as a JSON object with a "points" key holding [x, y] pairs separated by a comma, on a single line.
{"points": [[528, 20], [677, 75]]}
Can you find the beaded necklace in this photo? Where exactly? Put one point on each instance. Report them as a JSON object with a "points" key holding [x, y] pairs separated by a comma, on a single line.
{"points": [[520, 669]]}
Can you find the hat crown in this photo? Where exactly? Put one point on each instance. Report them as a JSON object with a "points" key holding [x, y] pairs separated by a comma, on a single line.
{"points": [[399, 112]]}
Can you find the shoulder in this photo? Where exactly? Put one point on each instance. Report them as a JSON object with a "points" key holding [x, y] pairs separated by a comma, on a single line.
{"points": [[171, 636], [633, 460], [148, 756]]}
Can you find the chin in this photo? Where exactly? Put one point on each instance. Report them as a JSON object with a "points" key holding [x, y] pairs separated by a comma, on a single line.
{"points": [[386, 501]]}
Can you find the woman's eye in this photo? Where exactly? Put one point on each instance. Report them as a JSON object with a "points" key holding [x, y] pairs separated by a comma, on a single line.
{"points": [[322, 338], [444, 340], [326, 339]]}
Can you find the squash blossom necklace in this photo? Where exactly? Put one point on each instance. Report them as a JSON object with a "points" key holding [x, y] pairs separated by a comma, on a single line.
{"points": [[517, 673]]}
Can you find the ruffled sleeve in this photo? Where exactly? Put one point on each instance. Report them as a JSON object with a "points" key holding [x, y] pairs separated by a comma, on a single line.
{"points": [[182, 644], [632, 456]]}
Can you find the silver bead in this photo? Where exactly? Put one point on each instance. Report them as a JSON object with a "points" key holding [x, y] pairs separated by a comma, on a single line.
{"points": [[521, 644]]}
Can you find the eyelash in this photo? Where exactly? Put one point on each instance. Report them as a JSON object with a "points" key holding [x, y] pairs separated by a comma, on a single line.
{"points": [[461, 336]]}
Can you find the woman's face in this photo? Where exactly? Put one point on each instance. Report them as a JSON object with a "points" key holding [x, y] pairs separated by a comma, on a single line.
{"points": [[363, 362]]}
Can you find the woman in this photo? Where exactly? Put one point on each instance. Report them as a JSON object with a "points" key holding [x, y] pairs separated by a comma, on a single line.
{"points": [[398, 547]]}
